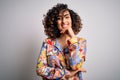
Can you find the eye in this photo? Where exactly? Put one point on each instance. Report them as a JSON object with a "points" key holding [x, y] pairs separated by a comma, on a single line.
{"points": [[59, 18], [67, 17]]}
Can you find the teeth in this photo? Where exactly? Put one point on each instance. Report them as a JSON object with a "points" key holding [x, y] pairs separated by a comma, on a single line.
{"points": [[64, 25]]}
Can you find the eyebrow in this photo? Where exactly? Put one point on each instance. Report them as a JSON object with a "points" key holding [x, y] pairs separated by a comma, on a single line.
{"points": [[64, 15]]}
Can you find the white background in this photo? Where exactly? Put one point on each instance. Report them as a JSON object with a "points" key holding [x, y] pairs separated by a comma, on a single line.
{"points": [[22, 33]]}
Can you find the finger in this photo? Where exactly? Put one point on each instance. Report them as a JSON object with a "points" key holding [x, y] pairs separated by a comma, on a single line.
{"points": [[62, 31], [84, 71]]}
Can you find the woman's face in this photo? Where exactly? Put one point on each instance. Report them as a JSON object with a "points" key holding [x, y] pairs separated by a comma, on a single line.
{"points": [[64, 21]]}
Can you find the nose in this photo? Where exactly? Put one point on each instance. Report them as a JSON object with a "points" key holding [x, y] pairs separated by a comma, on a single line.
{"points": [[63, 20]]}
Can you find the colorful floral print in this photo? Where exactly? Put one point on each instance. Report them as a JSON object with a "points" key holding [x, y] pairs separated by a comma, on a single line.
{"points": [[55, 62]]}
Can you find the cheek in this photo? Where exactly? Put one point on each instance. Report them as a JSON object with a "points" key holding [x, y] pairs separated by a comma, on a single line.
{"points": [[59, 24], [71, 23]]}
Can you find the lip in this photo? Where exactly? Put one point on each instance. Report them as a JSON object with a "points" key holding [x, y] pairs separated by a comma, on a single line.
{"points": [[65, 25]]}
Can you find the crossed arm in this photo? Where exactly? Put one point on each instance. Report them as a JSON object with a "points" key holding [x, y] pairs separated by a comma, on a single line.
{"points": [[55, 73]]}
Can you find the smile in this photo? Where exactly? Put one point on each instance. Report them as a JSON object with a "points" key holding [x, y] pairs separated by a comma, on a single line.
{"points": [[65, 25]]}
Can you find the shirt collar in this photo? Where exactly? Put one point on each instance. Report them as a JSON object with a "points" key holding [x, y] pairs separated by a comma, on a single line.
{"points": [[57, 44]]}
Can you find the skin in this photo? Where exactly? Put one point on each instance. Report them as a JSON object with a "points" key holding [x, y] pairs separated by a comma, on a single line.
{"points": [[64, 24]]}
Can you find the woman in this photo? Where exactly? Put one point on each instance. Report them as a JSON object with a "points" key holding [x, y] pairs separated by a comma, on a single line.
{"points": [[62, 53]]}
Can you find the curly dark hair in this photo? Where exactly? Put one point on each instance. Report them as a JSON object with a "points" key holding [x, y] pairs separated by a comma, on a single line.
{"points": [[50, 20]]}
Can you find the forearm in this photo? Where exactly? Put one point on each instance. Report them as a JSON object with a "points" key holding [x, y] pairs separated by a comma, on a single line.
{"points": [[72, 73], [45, 70], [77, 51], [69, 75], [49, 72]]}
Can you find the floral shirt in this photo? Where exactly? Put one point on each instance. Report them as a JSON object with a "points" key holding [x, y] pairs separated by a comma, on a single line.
{"points": [[55, 62]]}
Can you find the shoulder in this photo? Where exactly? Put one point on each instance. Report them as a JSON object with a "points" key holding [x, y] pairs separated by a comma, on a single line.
{"points": [[49, 41]]}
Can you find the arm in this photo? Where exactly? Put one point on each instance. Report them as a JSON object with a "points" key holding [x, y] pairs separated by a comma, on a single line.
{"points": [[77, 51], [72, 73], [46, 71]]}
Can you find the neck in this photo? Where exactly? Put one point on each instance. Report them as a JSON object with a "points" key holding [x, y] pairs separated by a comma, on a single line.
{"points": [[64, 37]]}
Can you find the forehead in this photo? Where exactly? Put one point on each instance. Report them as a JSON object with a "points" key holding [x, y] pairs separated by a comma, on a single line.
{"points": [[65, 12]]}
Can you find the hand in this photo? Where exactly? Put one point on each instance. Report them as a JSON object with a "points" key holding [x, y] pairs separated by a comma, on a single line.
{"points": [[63, 31], [71, 33], [68, 31], [72, 73], [82, 70]]}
